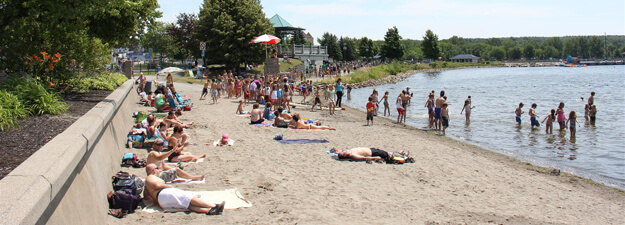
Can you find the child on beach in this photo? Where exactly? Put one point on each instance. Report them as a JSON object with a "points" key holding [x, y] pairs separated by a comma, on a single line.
{"points": [[533, 116], [370, 111], [267, 113], [240, 108], [518, 113], [215, 91], [376, 103], [400, 108], [317, 100], [430, 105], [550, 118], [445, 117], [593, 113], [572, 122], [587, 112], [204, 90], [561, 117], [224, 141], [466, 108], [385, 100], [331, 104]]}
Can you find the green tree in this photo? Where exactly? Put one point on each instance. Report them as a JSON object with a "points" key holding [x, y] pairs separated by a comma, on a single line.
{"points": [[515, 53], [448, 50], [392, 48], [556, 42], [455, 40], [595, 47], [228, 26], [498, 53], [494, 42], [529, 50], [332, 43], [429, 46], [158, 39], [550, 52], [182, 32], [366, 48], [480, 49], [348, 48], [81, 31]]}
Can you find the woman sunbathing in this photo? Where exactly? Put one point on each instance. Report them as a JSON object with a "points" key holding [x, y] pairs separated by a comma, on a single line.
{"points": [[176, 145], [371, 154], [299, 124]]}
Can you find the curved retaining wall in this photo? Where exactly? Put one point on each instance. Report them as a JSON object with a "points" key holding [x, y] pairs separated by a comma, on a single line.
{"points": [[66, 181]]}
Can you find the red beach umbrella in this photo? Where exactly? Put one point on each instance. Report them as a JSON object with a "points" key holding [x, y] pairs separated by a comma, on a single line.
{"points": [[266, 39]]}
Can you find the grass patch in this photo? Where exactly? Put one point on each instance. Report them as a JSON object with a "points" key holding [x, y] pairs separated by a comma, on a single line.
{"points": [[190, 80], [394, 68], [284, 67], [11, 110]]}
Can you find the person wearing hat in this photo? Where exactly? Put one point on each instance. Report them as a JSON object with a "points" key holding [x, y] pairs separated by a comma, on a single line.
{"points": [[224, 141]]}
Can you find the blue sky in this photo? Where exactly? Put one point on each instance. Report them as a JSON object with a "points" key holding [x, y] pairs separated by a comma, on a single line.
{"points": [[470, 19]]}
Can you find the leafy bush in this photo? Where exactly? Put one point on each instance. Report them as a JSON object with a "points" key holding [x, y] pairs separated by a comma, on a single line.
{"points": [[394, 68], [11, 110], [103, 81], [36, 97]]}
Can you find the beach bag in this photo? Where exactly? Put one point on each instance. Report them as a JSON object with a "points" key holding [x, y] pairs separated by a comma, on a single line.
{"points": [[128, 159], [123, 180], [125, 200], [136, 140], [186, 108], [141, 115]]}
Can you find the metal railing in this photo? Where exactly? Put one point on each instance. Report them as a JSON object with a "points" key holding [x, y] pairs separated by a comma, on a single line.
{"points": [[292, 50]]}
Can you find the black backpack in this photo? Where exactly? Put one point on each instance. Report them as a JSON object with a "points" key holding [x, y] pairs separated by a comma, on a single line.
{"points": [[124, 199], [123, 180]]}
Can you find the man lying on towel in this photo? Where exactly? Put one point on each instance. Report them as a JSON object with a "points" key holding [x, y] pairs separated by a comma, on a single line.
{"points": [[169, 197], [370, 154]]}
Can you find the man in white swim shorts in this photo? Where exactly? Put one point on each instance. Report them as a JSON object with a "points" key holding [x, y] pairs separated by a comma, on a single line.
{"points": [[169, 197]]}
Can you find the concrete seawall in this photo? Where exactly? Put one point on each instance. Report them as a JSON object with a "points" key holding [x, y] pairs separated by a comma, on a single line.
{"points": [[66, 181]]}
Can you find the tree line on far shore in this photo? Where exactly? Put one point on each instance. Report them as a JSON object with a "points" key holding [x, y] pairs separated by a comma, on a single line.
{"points": [[511, 48]]}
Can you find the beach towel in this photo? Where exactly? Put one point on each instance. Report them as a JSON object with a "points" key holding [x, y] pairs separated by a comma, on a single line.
{"points": [[230, 142], [233, 198], [263, 125], [244, 115], [302, 141], [189, 181], [198, 161]]}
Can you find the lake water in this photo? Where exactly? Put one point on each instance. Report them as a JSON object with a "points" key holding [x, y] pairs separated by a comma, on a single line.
{"points": [[597, 152]]}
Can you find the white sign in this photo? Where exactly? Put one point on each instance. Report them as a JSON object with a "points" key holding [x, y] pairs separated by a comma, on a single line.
{"points": [[202, 46]]}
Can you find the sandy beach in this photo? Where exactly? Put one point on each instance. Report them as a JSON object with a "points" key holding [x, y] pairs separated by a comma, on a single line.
{"points": [[450, 183]]}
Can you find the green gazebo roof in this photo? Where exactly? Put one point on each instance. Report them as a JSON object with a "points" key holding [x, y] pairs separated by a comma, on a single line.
{"points": [[279, 22]]}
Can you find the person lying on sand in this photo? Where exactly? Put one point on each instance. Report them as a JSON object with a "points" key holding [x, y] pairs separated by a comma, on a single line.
{"points": [[299, 124], [172, 120], [168, 197], [369, 154]]}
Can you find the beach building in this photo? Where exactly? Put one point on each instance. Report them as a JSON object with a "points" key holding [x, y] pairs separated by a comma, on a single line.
{"points": [[285, 30], [465, 58], [293, 43]]}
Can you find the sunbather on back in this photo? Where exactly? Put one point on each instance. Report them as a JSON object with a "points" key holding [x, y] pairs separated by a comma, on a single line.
{"points": [[169, 197]]}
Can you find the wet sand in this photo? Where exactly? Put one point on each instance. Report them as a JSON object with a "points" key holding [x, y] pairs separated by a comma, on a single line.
{"points": [[451, 182]]}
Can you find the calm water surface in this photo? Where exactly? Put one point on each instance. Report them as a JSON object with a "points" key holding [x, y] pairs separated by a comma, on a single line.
{"points": [[597, 152]]}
